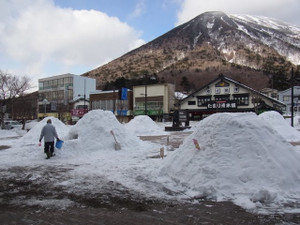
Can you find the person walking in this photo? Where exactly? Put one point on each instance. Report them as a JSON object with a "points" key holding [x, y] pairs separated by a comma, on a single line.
{"points": [[48, 133]]}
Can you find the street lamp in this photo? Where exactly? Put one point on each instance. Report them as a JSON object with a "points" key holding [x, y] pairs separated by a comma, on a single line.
{"points": [[45, 102]]}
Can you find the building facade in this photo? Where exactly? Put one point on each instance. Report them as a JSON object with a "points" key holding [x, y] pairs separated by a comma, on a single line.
{"points": [[227, 95], [117, 101], [286, 97], [24, 107], [155, 100], [57, 94]]}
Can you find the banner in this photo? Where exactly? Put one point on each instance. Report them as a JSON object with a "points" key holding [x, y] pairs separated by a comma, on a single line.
{"points": [[124, 95]]}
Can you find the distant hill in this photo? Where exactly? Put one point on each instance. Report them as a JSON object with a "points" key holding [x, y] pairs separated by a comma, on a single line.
{"points": [[246, 48]]}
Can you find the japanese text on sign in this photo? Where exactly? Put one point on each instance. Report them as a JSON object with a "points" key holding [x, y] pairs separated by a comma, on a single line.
{"points": [[221, 105]]}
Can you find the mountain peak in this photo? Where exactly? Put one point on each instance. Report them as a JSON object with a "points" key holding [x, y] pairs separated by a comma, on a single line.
{"points": [[209, 44]]}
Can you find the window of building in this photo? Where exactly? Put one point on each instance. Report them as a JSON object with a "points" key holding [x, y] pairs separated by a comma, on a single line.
{"points": [[41, 96], [46, 84], [68, 80], [41, 85], [202, 100], [242, 99], [61, 82], [55, 83], [226, 90], [139, 106], [50, 83], [154, 105], [208, 91], [286, 98]]}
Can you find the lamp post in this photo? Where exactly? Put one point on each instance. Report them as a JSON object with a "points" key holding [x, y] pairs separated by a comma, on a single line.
{"points": [[45, 102]]}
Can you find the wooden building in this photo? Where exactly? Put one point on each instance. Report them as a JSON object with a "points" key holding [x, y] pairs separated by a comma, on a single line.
{"points": [[227, 95], [117, 101]]}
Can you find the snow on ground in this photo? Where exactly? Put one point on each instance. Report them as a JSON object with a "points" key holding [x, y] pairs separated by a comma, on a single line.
{"points": [[143, 126], [242, 159], [9, 133], [278, 123]]}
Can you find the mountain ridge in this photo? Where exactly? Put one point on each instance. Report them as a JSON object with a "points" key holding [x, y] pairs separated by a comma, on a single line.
{"points": [[244, 47]]}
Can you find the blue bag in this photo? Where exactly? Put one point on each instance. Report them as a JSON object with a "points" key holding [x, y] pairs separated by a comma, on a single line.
{"points": [[59, 144]]}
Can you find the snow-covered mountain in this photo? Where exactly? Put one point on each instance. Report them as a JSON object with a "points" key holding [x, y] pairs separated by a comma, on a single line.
{"points": [[241, 46], [284, 38]]}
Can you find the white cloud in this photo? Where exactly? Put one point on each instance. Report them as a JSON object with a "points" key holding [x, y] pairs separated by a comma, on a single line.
{"points": [[285, 10], [42, 36], [140, 8]]}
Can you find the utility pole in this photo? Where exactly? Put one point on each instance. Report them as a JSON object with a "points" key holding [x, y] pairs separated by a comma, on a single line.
{"points": [[146, 76], [292, 98], [84, 95]]}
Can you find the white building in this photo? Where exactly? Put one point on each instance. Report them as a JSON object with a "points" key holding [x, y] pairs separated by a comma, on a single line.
{"points": [[58, 93], [285, 97]]}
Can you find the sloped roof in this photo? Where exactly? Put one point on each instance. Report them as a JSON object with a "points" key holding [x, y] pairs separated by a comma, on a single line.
{"points": [[237, 83], [288, 90]]}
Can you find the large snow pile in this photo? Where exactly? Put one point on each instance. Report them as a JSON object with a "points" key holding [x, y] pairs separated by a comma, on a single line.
{"points": [[278, 123], [143, 125], [241, 159], [93, 132], [33, 135], [31, 124]]}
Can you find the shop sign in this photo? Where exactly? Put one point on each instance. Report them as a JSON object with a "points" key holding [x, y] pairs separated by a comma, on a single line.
{"points": [[78, 112], [221, 105], [183, 116]]}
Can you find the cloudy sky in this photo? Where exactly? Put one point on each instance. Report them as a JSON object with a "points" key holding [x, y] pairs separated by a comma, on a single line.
{"points": [[40, 38]]}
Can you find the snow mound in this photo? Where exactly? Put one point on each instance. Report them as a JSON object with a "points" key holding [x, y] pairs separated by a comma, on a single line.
{"points": [[278, 123], [143, 125], [93, 132], [296, 121], [240, 159], [33, 135], [31, 124]]}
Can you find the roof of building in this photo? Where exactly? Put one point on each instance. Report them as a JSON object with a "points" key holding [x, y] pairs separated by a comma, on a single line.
{"points": [[289, 90], [237, 83]]}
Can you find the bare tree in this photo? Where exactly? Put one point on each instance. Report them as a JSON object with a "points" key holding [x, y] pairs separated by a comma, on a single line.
{"points": [[11, 86], [256, 101]]}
